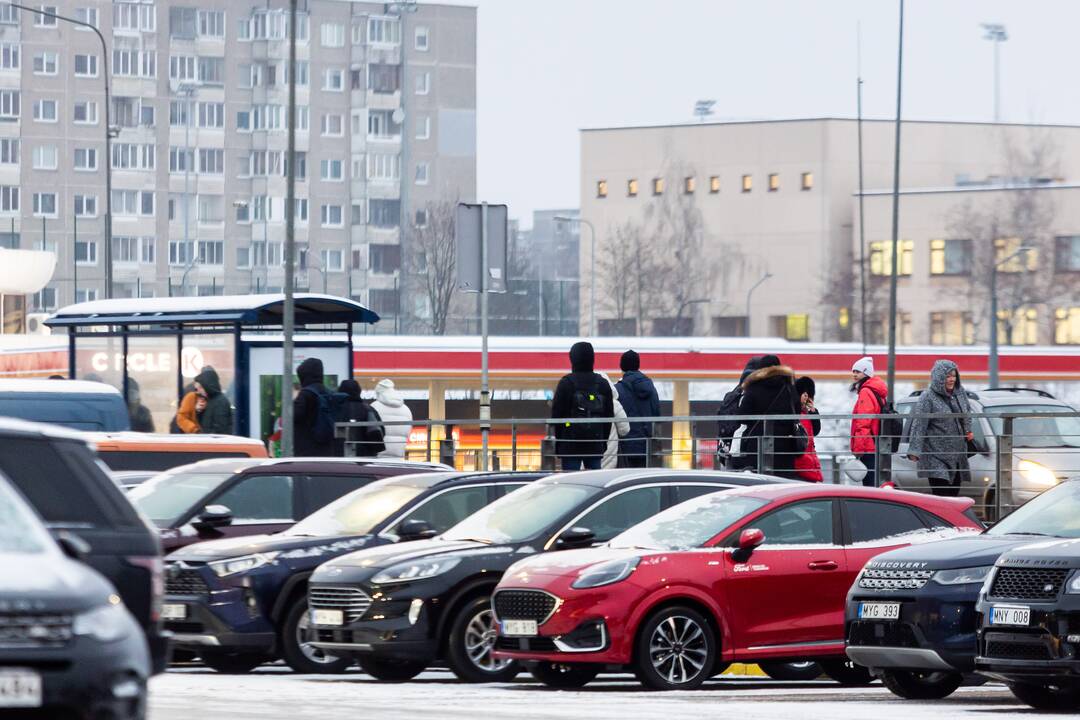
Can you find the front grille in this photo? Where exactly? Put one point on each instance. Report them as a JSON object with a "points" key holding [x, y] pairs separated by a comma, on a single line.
{"points": [[352, 601], [185, 627], [1014, 583], [1014, 650], [524, 605], [526, 644], [184, 581], [35, 631], [882, 634], [874, 579]]}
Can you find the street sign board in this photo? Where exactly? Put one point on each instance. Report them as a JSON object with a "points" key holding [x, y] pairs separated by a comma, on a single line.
{"points": [[468, 223]]}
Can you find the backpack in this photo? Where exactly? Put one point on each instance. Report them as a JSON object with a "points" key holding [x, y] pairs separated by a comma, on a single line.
{"points": [[587, 403], [370, 437], [328, 409], [727, 431], [891, 427]]}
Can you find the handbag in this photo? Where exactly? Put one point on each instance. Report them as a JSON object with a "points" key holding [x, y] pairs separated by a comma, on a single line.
{"points": [[800, 439]]}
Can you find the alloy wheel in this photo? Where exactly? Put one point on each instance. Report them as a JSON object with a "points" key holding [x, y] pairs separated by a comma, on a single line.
{"points": [[480, 641], [309, 651], [679, 649]]}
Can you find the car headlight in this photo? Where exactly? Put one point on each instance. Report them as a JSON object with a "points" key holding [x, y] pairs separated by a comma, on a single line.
{"points": [[106, 623], [605, 573], [1073, 588], [1037, 474], [414, 570], [243, 563], [962, 576]]}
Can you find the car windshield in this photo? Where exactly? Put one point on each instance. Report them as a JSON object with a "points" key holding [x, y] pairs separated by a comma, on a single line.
{"points": [[170, 496], [357, 513], [1039, 432], [522, 514], [20, 532], [690, 524], [1055, 513]]}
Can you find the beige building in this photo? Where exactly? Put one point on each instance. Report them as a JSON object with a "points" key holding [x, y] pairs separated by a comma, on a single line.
{"points": [[774, 204]]}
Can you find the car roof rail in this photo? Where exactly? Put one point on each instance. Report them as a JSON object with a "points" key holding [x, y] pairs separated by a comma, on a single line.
{"points": [[1036, 391]]}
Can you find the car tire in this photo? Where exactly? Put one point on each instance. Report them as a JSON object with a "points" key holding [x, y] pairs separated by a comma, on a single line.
{"points": [[232, 663], [846, 672], [565, 675], [676, 649], [921, 685], [300, 656], [471, 641], [791, 670], [391, 670], [1044, 697]]}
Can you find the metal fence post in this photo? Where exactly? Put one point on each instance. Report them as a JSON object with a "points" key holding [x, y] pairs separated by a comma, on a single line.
{"points": [[547, 452], [446, 448], [427, 442], [693, 446], [513, 446], [766, 449], [1004, 468]]}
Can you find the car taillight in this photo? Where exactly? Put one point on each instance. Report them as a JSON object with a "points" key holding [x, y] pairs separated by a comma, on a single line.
{"points": [[156, 567]]}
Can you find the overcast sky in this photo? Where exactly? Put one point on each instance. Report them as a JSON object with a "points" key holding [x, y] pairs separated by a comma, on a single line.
{"points": [[550, 67]]}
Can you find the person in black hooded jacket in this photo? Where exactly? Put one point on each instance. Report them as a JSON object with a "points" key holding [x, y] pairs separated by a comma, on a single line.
{"points": [[638, 397], [770, 390], [217, 417], [582, 393], [306, 411]]}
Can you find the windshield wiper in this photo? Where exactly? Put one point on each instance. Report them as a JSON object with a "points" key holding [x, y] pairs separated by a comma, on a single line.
{"points": [[1031, 533], [482, 541]]}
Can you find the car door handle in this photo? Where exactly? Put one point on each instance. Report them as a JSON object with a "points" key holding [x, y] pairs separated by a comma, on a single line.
{"points": [[823, 565]]}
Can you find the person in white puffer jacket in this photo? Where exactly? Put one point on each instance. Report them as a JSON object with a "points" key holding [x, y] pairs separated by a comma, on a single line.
{"points": [[619, 428], [391, 407]]}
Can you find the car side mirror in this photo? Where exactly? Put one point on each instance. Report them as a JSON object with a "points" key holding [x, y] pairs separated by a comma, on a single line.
{"points": [[213, 517], [72, 545], [416, 529], [749, 539], [575, 537]]}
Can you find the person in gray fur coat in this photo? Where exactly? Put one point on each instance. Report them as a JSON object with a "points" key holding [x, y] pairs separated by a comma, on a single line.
{"points": [[940, 445]]}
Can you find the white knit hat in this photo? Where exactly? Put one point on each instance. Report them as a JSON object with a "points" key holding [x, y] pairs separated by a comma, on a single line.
{"points": [[864, 365]]}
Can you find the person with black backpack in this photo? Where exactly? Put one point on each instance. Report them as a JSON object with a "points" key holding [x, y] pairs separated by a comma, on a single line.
{"points": [[872, 399], [770, 390], [315, 410], [729, 428], [367, 441], [582, 395]]}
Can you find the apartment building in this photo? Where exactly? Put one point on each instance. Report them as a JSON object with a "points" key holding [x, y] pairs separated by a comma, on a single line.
{"points": [[771, 210], [386, 125]]}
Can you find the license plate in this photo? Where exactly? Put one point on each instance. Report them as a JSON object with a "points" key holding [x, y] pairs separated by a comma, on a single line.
{"points": [[1010, 615], [20, 689], [327, 617], [879, 611], [519, 627], [173, 611]]}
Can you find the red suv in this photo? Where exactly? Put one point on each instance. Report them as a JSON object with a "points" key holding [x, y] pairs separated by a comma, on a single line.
{"points": [[753, 574]]}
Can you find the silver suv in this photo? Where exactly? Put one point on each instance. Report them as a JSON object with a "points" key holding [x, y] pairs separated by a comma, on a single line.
{"points": [[1046, 450]]}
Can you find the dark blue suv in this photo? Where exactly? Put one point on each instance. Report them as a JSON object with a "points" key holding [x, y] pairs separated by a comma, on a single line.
{"points": [[911, 614], [239, 602]]}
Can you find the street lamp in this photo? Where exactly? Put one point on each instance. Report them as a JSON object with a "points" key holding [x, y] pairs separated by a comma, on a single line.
{"points": [[685, 304], [994, 312], [592, 268], [750, 294], [110, 133], [187, 91], [995, 33]]}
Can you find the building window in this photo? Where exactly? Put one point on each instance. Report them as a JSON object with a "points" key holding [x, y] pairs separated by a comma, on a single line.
{"points": [[747, 183], [333, 80], [86, 205], [212, 161], [45, 20], [181, 159], [774, 182], [1067, 254], [86, 295], [9, 199], [631, 187], [211, 210], [332, 35], [332, 216], [86, 252], [601, 188], [212, 23], [950, 257], [9, 151], [85, 112], [952, 328], [45, 157], [182, 22], [423, 83], [421, 218], [422, 40], [211, 115], [87, 15], [797, 327], [86, 159], [689, 185], [182, 67], [332, 260], [729, 326], [714, 184], [383, 31], [135, 17], [807, 181], [9, 105], [45, 110], [333, 125], [1067, 326], [384, 213], [86, 65], [44, 204], [423, 170], [1019, 327], [332, 170], [181, 252], [9, 56], [125, 249], [658, 186], [384, 259], [881, 257], [211, 252], [44, 300], [423, 127], [878, 329], [212, 70], [1006, 247], [383, 167], [384, 79], [46, 63]]}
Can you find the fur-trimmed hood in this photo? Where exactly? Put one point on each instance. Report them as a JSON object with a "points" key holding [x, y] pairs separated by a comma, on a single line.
{"points": [[769, 372]]}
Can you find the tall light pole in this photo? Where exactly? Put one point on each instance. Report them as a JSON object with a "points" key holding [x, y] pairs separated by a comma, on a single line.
{"points": [[995, 33], [862, 215], [403, 8], [994, 379], [187, 91], [896, 209], [750, 294], [592, 268], [288, 315], [109, 134]]}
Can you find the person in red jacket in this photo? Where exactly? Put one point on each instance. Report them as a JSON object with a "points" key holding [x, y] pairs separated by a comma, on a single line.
{"points": [[807, 465], [864, 432]]}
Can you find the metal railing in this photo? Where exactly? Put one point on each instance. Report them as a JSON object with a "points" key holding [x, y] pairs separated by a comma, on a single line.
{"points": [[1012, 456]]}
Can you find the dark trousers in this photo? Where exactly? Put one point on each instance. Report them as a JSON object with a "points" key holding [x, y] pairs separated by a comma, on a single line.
{"points": [[870, 461], [946, 487], [571, 464], [634, 461]]}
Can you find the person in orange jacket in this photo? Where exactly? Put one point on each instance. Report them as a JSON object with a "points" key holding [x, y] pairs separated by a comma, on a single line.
{"points": [[807, 465], [187, 416], [870, 401]]}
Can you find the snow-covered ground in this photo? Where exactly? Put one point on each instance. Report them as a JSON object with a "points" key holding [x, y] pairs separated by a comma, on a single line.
{"points": [[273, 693]]}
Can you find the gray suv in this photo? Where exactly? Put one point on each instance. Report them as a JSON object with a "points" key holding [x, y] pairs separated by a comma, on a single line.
{"points": [[1046, 450]]}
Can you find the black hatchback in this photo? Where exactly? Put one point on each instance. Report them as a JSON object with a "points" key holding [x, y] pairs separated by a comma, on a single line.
{"points": [[398, 609]]}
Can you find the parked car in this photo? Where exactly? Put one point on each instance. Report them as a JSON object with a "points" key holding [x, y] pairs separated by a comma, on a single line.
{"points": [[212, 499], [400, 608], [243, 601], [1030, 631], [753, 575], [911, 613], [128, 479], [1046, 450], [67, 642], [159, 451], [75, 404], [56, 471]]}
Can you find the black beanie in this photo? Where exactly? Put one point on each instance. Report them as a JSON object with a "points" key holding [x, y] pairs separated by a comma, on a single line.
{"points": [[630, 361], [805, 384]]}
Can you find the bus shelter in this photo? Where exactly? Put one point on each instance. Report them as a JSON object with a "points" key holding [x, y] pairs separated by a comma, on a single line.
{"points": [[153, 348]]}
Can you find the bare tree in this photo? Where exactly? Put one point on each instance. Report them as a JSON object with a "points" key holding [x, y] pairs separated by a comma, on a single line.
{"points": [[433, 262], [688, 269]]}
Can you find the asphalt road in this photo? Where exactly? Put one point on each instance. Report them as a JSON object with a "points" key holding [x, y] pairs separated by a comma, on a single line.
{"points": [[273, 693]]}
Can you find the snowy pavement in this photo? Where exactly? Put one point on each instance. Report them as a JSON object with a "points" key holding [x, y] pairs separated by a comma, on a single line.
{"points": [[272, 693]]}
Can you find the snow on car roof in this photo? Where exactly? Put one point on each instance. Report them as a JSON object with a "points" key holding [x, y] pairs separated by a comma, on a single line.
{"points": [[39, 385]]}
